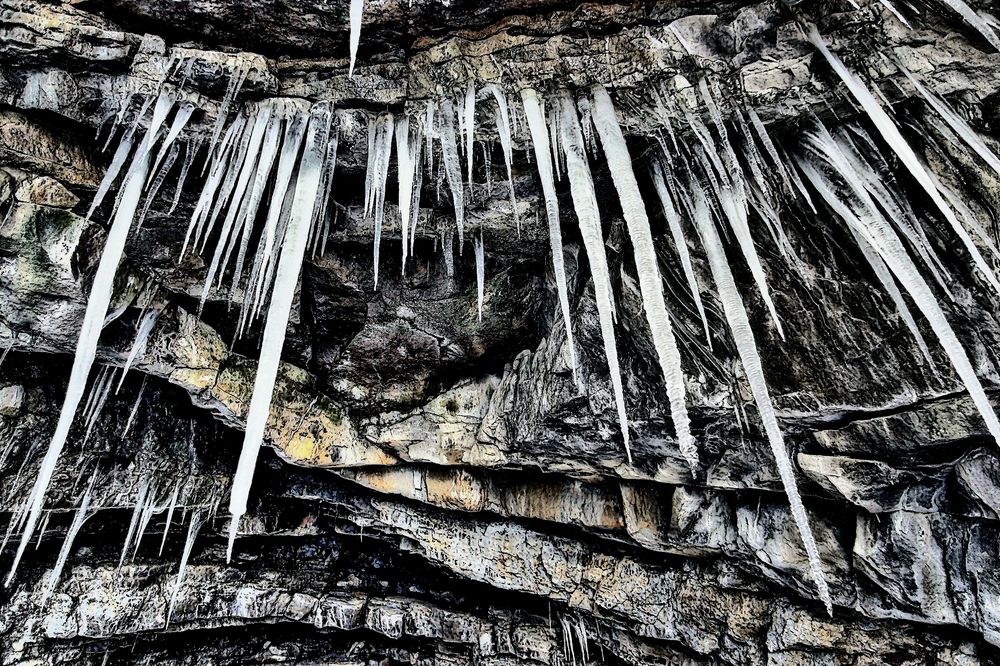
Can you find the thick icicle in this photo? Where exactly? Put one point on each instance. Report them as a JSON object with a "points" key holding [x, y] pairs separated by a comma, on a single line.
{"points": [[357, 13], [647, 268], [289, 263], [540, 142], [902, 149], [124, 148], [746, 346], [86, 347], [581, 184], [480, 273], [452, 167], [880, 235], [677, 233], [503, 129]]}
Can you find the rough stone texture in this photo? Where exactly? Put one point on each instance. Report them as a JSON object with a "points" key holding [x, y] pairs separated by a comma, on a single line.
{"points": [[440, 491]]}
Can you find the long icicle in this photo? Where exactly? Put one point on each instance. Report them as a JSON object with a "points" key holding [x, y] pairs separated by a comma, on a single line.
{"points": [[746, 347], [289, 265], [503, 129], [581, 185], [86, 346], [650, 284], [540, 142]]}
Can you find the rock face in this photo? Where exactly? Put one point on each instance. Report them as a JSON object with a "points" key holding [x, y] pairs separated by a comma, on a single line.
{"points": [[435, 487]]}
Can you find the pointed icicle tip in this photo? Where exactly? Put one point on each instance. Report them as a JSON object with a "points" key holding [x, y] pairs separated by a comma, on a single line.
{"points": [[357, 12], [234, 525]]}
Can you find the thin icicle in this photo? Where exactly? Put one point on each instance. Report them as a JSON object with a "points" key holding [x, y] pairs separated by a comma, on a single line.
{"points": [[650, 284], [480, 273], [406, 169], [588, 216], [452, 166], [289, 263], [82, 513], [170, 516], [181, 117], [379, 163], [746, 346], [154, 189], [888, 283], [121, 154], [140, 503], [135, 406], [356, 15], [680, 242], [197, 520], [503, 129], [540, 142], [469, 113], [86, 347], [902, 149]]}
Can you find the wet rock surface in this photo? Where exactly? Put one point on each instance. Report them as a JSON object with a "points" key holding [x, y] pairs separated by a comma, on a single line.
{"points": [[437, 489]]}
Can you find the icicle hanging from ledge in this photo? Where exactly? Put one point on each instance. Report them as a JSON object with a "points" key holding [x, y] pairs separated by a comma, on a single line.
{"points": [[650, 284], [293, 246]]}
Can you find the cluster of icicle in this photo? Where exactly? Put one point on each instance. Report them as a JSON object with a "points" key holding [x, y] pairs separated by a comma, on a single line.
{"points": [[269, 176]]}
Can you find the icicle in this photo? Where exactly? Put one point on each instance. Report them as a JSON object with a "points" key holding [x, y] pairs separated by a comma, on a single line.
{"points": [[170, 516], [246, 170], [236, 80], [154, 190], [581, 184], [264, 260], [746, 346], [677, 233], [219, 168], [480, 272], [957, 124], [540, 141], [248, 211], [406, 169], [470, 123], [197, 520], [889, 284], [105, 391], [902, 149], [380, 166], [356, 15], [647, 268], [124, 148], [82, 513], [135, 406], [136, 512], [452, 168], [880, 235], [181, 117], [289, 263], [975, 20], [86, 348], [503, 129]]}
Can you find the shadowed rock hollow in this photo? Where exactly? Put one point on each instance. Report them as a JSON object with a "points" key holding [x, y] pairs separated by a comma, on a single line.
{"points": [[438, 484]]}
